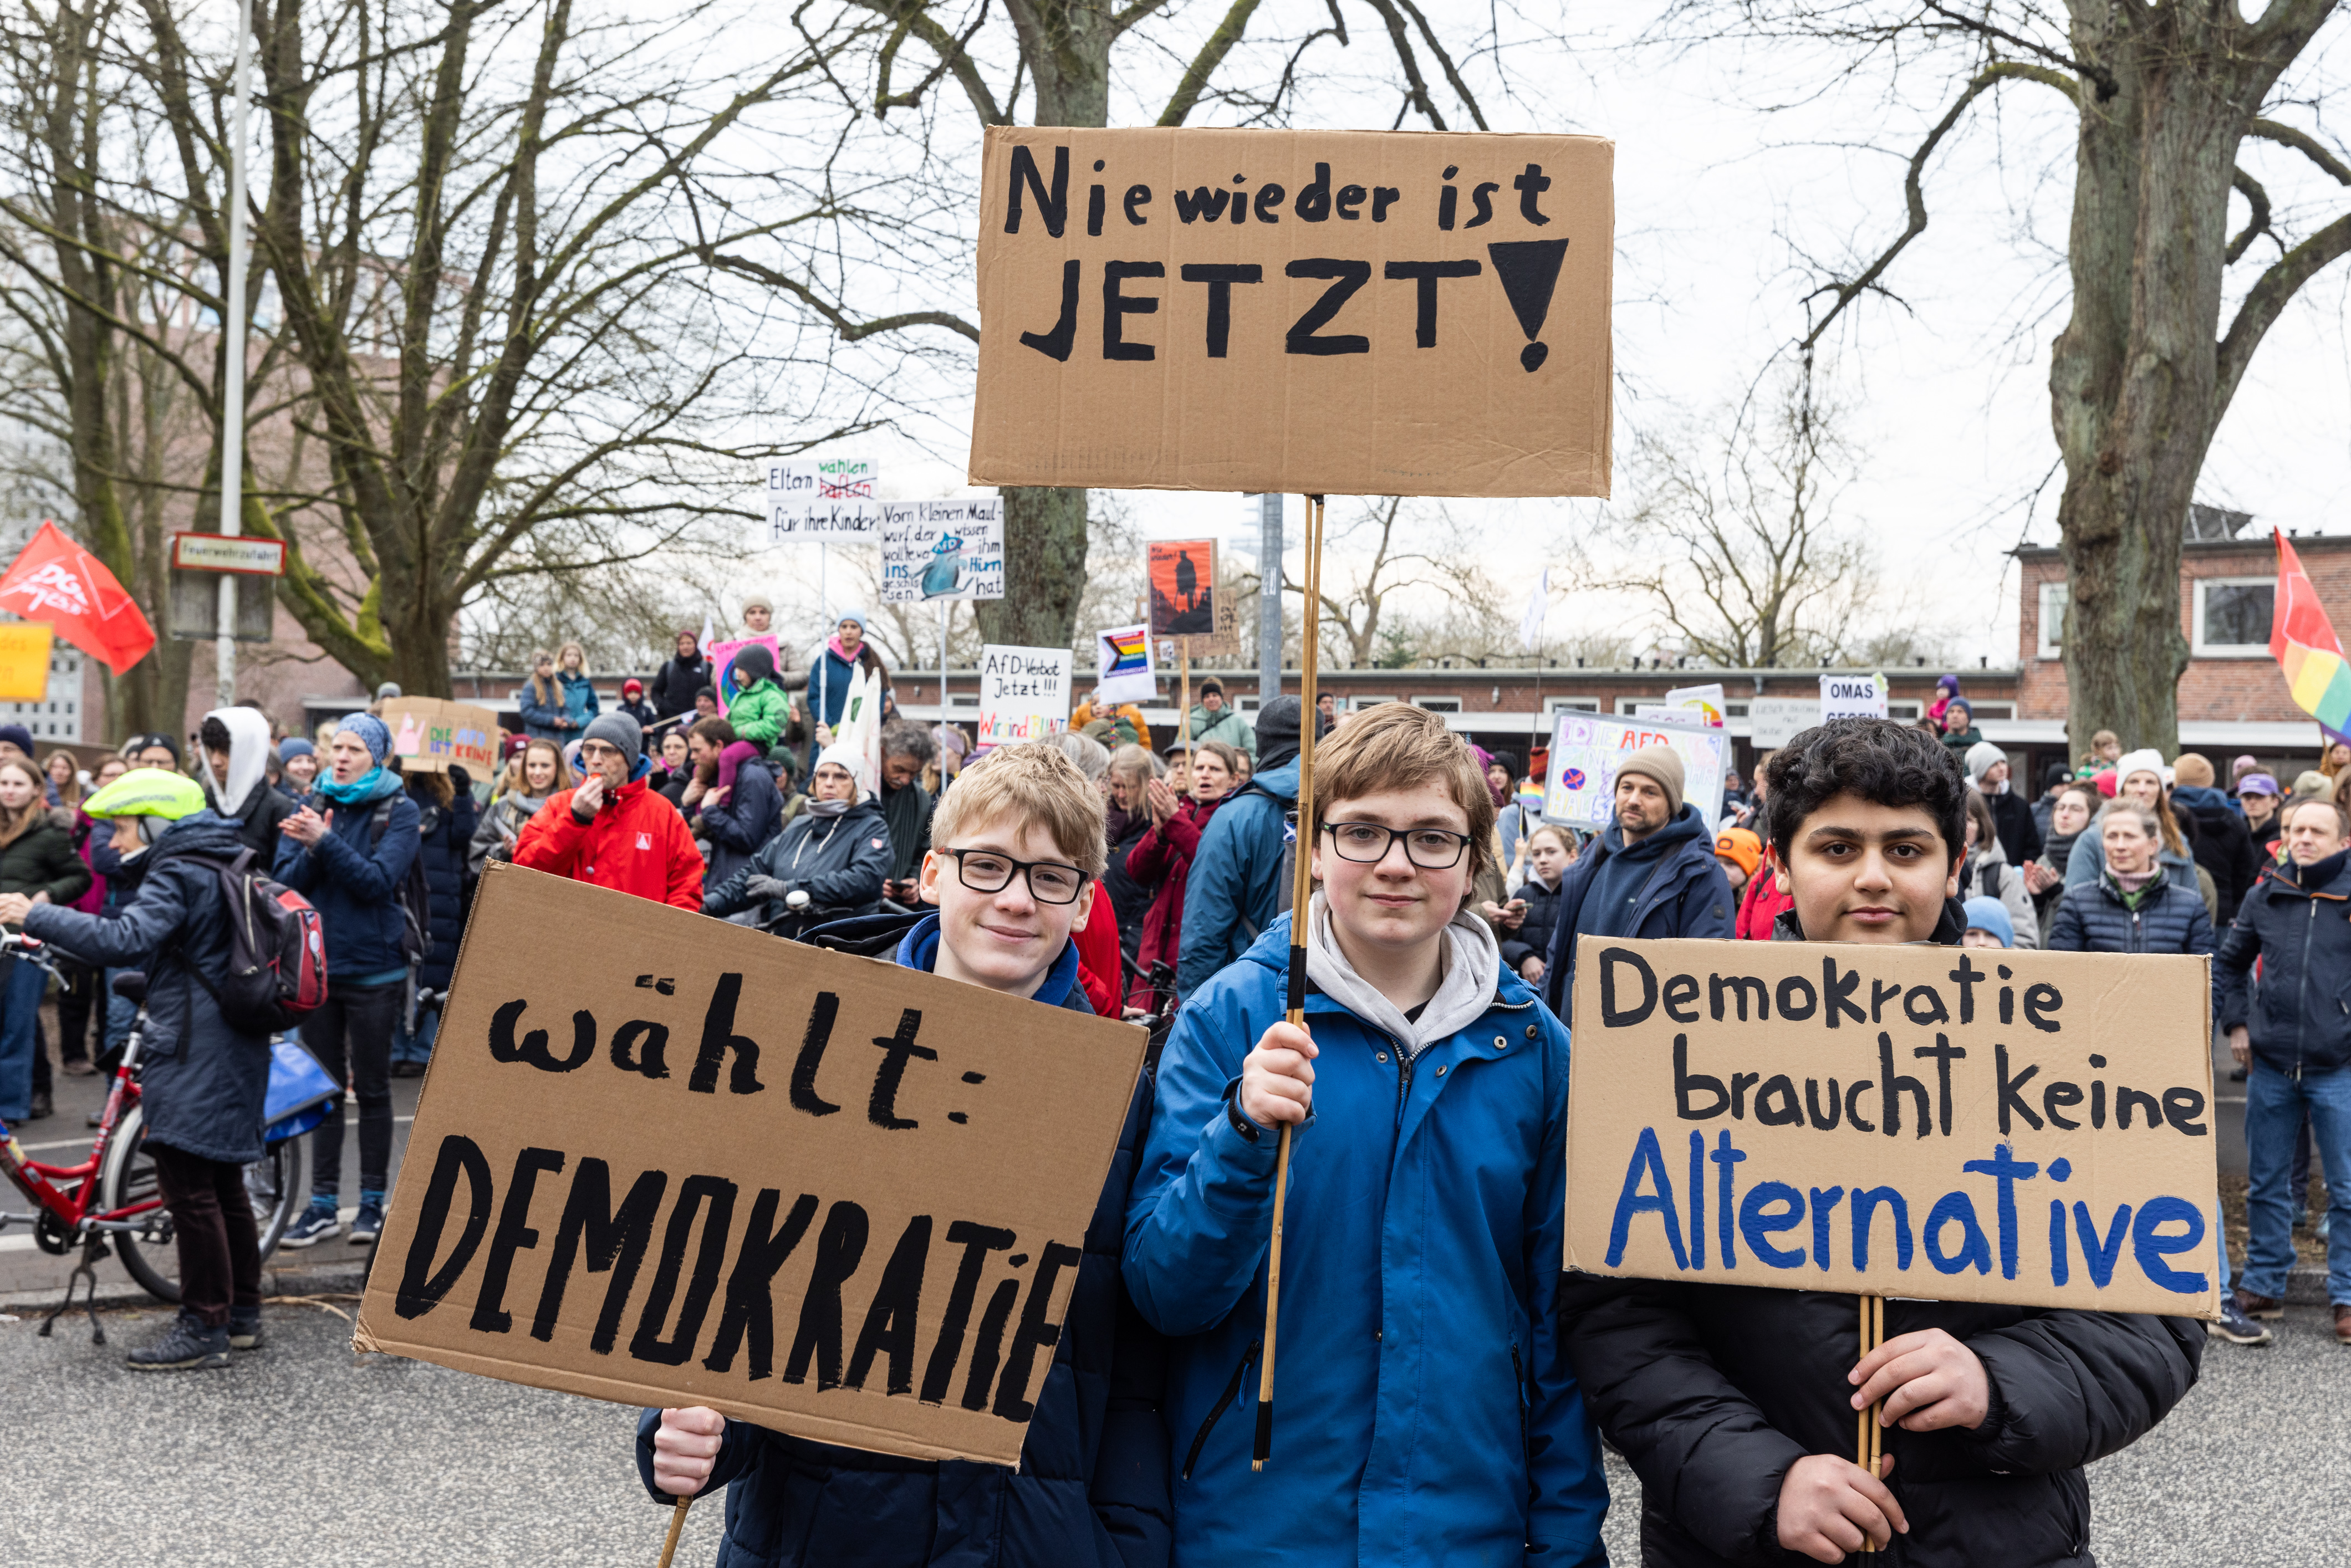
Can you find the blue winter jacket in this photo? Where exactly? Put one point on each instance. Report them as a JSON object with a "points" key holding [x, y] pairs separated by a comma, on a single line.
{"points": [[580, 703], [753, 813], [1426, 1411], [1682, 894], [353, 879], [1235, 891], [2093, 918], [204, 1084], [1091, 1488], [538, 718], [828, 685], [2297, 922]]}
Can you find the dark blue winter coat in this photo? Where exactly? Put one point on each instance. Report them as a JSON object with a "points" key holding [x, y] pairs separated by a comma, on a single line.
{"points": [[2297, 922], [353, 879], [203, 1083], [828, 684], [1427, 1411], [752, 815], [1093, 1488], [1235, 890], [2093, 918], [445, 834], [1681, 893], [538, 718]]}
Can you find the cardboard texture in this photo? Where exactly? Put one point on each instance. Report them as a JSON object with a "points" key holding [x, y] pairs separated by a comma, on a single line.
{"points": [[429, 735], [693, 1165], [1943, 1123], [1396, 313], [1580, 783]]}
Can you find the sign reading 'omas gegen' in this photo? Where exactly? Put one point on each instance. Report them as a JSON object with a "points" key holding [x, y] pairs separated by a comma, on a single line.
{"points": [[670, 1160], [1397, 313], [1961, 1123]]}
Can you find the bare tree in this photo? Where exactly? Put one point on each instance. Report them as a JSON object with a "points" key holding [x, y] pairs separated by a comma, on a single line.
{"points": [[2179, 108], [1057, 60]]}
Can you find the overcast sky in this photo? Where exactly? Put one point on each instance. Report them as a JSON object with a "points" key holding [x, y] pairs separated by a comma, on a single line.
{"points": [[1719, 198]]}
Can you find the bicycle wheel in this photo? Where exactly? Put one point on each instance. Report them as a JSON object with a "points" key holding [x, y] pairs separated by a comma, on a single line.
{"points": [[277, 1185]]}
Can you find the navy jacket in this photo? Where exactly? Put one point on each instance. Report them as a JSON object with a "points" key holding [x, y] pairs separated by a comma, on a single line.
{"points": [[1093, 1488], [838, 861], [749, 819], [1235, 888], [1682, 894], [2223, 845], [445, 836], [353, 879], [203, 1083], [2299, 925], [2093, 918]]}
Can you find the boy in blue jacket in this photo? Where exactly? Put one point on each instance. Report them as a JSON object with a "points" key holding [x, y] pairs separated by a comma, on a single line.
{"points": [[1018, 848], [1427, 1413]]}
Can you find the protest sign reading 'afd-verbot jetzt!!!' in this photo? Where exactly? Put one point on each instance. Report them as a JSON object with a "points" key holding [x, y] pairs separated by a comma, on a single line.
{"points": [[1961, 1123], [688, 1164], [1343, 312]]}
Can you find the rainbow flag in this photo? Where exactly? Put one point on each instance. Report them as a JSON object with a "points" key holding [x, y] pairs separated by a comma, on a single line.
{"points": [[1130, 651], [2302, 642]]}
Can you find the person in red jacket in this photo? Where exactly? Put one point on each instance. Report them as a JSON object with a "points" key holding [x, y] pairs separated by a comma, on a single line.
{"points": [[1162, 858], [613, 831]]}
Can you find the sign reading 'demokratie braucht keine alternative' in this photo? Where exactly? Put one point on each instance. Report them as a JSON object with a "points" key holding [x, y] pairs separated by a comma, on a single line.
{"points": [[1328, 312], [1961, 1124], [696, 1166]]}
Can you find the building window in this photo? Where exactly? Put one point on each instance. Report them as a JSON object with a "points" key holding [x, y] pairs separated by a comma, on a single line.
{"points": [[1902, 710], [2053, 600], [1981, 710], [1367, 700], [1571, 705], [1438, 704], [2232, 616]]}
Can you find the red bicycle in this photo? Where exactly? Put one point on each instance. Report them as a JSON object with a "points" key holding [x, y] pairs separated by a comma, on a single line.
{"points": [[111, 1199]]}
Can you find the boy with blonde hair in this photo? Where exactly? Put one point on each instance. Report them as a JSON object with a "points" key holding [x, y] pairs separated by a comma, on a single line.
{"points": [[1016, 847], [1427, 1413]]}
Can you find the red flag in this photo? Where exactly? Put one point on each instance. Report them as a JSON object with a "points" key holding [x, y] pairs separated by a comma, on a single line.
{"points": [[57, 580]]}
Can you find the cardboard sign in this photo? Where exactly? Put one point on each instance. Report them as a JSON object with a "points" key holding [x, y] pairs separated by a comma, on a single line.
{"points": [[429, 736], [693, 1165], [1580, 788], [1705, 701], [1183, 574], [1024, 694], [1330, 312], [1953, 1123], [25, 660], [941, 549], [1124, 671], [721, 654], [1851, 696], [1773, 722]]}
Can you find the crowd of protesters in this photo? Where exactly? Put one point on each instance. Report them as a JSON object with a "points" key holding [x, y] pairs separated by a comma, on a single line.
{"points": [[1150, 877]]}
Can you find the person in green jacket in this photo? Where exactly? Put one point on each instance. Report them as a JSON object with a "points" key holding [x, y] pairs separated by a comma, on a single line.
{"points": [[1212, 720], [762, 712], [1959, 730]]}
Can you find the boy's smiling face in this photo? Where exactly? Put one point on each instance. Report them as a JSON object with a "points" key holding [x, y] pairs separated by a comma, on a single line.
{"points": [[1391, 903], [1007, 939], [1860, 872]]}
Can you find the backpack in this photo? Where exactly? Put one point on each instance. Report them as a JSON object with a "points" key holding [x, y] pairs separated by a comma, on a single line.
{"points": [[276, 950], [1285, 892], [414, 896]]}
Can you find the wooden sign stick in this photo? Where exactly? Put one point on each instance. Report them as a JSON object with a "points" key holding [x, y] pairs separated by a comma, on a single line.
{"points": [[676, 1524], [1183, 695], [1301, 889]]}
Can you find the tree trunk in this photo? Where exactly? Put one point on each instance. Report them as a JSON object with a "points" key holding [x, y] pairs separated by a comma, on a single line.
{"points": [[1067, 44], [1044, 568], [2134, 388]]}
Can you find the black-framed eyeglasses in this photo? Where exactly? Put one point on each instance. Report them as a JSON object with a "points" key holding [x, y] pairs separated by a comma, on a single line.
{"points": [[1050, 882], [1367, 843]]}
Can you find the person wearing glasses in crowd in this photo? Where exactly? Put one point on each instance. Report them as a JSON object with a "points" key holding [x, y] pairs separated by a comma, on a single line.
{"points": [[836, 853], [613, 831], [1016, 849], [1432, 1416]]}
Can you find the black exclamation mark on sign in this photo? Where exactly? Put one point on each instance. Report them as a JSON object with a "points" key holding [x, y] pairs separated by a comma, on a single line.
{"points": [[1529, 269]]}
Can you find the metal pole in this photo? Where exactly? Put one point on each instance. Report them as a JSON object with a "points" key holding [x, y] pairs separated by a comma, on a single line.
{"points": [[944, 606], [233, 379], [823, 669], [1268, 613]]}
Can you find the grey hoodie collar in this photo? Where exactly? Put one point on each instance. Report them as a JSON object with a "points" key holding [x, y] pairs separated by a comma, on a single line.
{"points": [[1473, 965]]}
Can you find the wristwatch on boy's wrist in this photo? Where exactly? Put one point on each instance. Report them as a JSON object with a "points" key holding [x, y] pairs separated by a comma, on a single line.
{"points": [[1233, 1113]]}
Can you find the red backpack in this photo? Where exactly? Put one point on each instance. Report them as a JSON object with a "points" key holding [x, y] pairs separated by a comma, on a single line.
{"points": [[276, 950]]}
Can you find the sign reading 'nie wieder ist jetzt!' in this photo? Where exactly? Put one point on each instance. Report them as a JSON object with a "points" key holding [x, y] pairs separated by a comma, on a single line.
{"points": [[1341, 312], [688, 1164], [1960, 1123]]}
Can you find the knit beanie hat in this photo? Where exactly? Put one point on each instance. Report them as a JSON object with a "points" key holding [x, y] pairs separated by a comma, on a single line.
{"points": [[2192, 770], [1980, 757], [1742, 848], [1990, 914], [2146, 759], [371, 734], [622, 733], [292, 746], [1662, 764]]}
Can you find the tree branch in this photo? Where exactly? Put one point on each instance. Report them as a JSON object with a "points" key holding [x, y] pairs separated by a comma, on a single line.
{"points": [[2258, 223], [2267, 302], [1203, 64], [2107, 85], [2305, 144], [851, 331]]}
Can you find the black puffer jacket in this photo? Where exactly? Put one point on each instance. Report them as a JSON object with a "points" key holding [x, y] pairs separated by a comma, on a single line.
{"points": [[1712, 1392], [2093, 918], [41, 859], [445, 834], [2223, 845], [838, 861], [2297, 922], [676, 681], [203, 1083], [257, 821]]}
